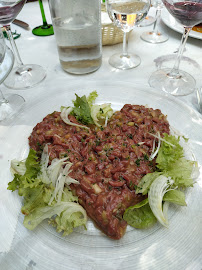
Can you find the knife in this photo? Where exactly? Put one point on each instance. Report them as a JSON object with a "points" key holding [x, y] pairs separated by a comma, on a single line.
{"points": [[21, 24]]}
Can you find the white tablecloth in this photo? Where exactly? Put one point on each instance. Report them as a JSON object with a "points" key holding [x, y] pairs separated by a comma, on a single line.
{"points": [[43, 51]]}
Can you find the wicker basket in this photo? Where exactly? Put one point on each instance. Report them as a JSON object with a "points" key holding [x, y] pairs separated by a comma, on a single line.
{"points": [[111, 34]]}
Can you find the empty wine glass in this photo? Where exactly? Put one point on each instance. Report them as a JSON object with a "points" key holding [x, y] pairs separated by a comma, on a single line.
{"points": [[155, 36], [176, 81], [126, 14], [22, 76], [45, 29], [148, 20], [11, 104]]}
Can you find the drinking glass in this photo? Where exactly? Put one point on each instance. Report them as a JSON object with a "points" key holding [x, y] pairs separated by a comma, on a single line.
{"points": [[45, 29], [148, 20], [176, 81], [11, 104], [125, 14], [155, 36], [22, 76]]}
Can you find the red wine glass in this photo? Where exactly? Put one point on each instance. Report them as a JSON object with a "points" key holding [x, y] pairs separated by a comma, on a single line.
{"points": [[22, 76], [176, 81]]}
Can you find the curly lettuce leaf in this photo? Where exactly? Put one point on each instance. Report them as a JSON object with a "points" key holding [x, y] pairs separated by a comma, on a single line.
{"points": [[86, 112], [169, 153], [175, 196], [171, 164], [92, 97], [140, 215], [146, 181], [66, 214], [28, 179], [69, 216], [82, 111], [181, 172]]}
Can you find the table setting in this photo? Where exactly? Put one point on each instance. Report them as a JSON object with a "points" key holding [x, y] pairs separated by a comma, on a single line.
{"points": [[156, 66]]}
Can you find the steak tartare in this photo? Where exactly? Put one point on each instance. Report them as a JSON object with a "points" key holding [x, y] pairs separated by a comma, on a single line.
{"points": [[108, 162]]}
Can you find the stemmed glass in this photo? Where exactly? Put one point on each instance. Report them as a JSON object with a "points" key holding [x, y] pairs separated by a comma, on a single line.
{"points": [[176, 81], [148, 20], [22, 76], [126, 14], [155, 36], [11, 104], [45, 29]]}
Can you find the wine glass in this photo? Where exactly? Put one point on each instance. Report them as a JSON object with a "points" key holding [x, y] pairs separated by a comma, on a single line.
{"points": [[11, 104], [125, 14], [155, 36], [148, 20], [176, 81], [45, 29], [22, 76]]}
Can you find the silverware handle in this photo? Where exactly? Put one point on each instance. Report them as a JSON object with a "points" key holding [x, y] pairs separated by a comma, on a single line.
{"points": [[21, 24]]}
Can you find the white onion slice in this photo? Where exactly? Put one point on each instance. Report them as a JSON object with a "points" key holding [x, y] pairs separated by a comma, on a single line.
{"points": [[155, 195], [153, 154], [64, 115]]}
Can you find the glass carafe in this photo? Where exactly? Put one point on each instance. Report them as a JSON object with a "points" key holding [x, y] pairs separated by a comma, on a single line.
{"points": [[77, 28]]}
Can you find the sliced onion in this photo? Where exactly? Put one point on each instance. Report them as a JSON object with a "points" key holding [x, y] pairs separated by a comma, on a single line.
{"points": [[160, 138], [154, 153], [61, 180], [64, 115], [155, 195], [106, 120], [44, 164]]}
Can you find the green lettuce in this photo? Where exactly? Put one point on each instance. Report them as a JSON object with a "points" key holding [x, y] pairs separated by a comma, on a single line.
{"points": [[181, 172], [140, 216], [29, 178], [68, 216], [169, 152], [92, 97], [86, 112], [82, 111], [146, 181], [36, 194], [175, 196], [170, 163]]}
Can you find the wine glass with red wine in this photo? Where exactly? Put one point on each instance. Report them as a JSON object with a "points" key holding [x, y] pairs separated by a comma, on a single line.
{"points": [[175, 81], [22, 76]]}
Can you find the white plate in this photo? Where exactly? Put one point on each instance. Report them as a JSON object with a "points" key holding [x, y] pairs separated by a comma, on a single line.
{"points": [[170, 21], [158, 248]]}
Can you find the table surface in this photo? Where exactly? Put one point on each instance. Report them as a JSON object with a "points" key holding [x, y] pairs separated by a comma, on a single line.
{"points": [[43, 51]]}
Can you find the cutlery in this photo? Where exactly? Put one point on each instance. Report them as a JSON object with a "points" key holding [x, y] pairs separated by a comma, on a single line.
{"points": [[21, 24]]}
